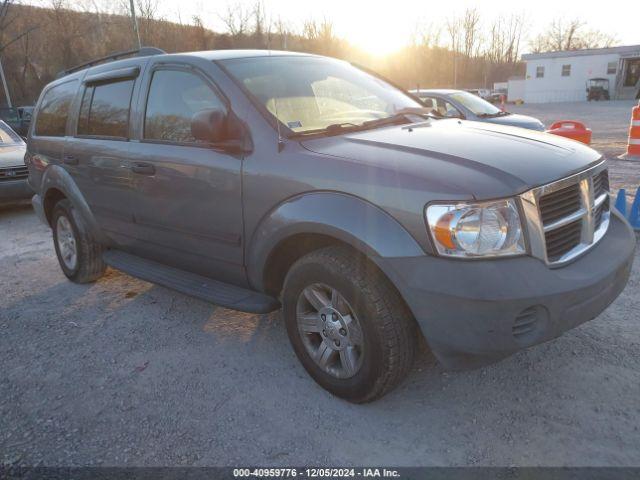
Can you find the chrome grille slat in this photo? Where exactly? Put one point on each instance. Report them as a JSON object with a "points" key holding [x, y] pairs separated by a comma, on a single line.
{"points": [[566, 218], [14, 173]]}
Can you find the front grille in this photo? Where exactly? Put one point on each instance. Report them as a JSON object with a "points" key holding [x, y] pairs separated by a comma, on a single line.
{"points": [[598, 213], [567, 217], [559, 204], [13, 173], [601, 183], [562, 240]]}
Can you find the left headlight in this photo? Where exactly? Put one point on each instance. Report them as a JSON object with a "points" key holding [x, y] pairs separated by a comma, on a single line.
{"points": [[484, 229]]}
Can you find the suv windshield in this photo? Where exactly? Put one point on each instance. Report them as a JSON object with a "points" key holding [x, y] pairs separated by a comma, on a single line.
{"points": [[310, 94], [8, 136], [477, 105]]}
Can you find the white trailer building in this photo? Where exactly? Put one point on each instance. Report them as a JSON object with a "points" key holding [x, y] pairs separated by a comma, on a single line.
{"points": [[562, 76]]}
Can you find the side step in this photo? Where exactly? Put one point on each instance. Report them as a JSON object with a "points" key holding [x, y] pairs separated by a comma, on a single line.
{"points": [[220, 293]]}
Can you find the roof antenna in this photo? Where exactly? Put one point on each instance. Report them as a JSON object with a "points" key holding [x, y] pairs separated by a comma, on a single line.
{"points": [[275, 108]]}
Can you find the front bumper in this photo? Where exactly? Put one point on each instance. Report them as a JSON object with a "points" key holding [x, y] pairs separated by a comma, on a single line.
{"points": [[13, 190], [473, 313]]}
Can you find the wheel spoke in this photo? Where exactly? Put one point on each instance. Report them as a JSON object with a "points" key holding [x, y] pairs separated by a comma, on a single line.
{"points": [[355, 331], [349, 360], [324, 354], [316, 297], [308, 322]]}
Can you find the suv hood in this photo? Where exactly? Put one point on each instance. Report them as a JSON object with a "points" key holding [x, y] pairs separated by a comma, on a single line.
{"points": [[463, 158], [12, 155]]}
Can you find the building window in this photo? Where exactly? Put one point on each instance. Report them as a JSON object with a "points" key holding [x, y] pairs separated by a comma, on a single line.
{"points": [[612, 68], [539, 72], [566, 70]]}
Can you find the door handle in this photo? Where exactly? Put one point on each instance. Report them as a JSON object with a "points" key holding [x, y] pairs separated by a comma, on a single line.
{"points": [[69, 160], [143, 168]]}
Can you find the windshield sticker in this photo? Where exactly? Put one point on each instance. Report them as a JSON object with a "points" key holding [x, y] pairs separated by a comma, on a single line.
{"points": [[296, 124]]}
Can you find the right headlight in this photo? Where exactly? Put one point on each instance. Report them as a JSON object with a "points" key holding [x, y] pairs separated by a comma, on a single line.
{"points": [[478, 229]]}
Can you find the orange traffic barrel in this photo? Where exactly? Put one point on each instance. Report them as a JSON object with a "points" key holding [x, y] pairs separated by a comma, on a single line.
{"points": [[633, 145], [571, 129]]}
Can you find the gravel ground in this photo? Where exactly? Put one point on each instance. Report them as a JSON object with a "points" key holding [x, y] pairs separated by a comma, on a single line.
{"points": [[122, 372]]}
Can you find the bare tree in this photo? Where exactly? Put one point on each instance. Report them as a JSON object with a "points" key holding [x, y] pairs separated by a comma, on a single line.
{"points": [[572, 35], [505, 39], [237, 19]]}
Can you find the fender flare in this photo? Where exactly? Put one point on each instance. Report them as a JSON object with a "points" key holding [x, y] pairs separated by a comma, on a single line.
{"points": [[56, 177], [344, 217]]}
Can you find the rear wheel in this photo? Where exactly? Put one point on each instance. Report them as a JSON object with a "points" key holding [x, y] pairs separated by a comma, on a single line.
{"points": [[79, 255], [348, 325]]}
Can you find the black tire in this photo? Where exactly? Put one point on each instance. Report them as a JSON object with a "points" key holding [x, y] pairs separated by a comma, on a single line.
{"points": [[388, 327], [89, 265]]}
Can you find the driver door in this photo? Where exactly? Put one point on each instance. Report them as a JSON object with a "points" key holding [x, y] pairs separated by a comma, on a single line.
{"points": [[188, 196]]}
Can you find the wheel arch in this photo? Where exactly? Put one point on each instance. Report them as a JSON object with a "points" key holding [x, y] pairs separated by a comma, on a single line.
{"points": [[310, 221], [58, 184]]}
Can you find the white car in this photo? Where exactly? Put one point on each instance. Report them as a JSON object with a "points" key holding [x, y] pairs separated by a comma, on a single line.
{"points": [[13, 171]]}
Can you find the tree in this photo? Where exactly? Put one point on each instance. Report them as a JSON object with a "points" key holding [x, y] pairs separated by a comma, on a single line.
{"points": [[572, 35]]}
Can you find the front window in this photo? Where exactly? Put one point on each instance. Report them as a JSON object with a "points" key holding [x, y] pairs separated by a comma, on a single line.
{"points": [[8, 136], [566, 70], [539, 72], [175, 96], [309, 94], [477, 105]]}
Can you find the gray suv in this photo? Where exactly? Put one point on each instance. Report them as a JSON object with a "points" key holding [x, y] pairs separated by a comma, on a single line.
{"points": [[264, 180]]}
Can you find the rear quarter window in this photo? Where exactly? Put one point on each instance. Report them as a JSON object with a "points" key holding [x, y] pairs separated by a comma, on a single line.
{"points": [[51, 120]]}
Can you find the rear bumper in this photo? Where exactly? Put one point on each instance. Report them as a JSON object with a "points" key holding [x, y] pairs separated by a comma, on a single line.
{"points": [[476, 312], [14, 190]]}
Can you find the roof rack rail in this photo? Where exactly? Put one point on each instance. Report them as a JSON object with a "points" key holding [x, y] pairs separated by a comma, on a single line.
{"points": [[141, 52]]}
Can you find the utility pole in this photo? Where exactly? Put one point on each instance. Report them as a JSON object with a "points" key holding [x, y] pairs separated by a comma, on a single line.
{"points": [[7, 95], [455, 69], [135, 23]]}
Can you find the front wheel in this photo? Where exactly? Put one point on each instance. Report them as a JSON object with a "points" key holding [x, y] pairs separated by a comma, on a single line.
{"points": [[348, 326]]}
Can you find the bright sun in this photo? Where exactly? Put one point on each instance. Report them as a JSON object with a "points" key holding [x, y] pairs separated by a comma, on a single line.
{"points": [[376, 32]]}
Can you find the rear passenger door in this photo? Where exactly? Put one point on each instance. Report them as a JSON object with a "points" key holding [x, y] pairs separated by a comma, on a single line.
{"points": [[188, 195], [99, 149]]}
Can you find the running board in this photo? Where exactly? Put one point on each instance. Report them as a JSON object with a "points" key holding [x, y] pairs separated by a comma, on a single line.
{"points": [[220, 293]]}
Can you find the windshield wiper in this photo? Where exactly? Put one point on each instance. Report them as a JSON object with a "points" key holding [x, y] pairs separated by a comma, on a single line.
{"points": [[493, 115], [402, 114]]}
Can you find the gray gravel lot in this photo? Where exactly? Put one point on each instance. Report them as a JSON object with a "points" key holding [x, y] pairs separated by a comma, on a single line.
{"points": [[123, 372]]}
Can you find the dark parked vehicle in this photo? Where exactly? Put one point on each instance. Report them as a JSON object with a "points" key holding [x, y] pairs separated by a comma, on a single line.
{"points": [[260, 181], [598, 89], [11, 117], [467, 106], [18, 119], [13, 171]]}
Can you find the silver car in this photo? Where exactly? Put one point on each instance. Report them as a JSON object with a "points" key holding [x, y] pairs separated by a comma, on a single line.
{"points": [[13, 171], [465, 105]]}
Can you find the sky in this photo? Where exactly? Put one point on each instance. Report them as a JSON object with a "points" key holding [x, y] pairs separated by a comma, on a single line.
{"points": [[384, 26]]}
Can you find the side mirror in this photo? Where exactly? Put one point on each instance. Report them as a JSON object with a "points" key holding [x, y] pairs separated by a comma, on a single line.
{"points": [[209, 125]]}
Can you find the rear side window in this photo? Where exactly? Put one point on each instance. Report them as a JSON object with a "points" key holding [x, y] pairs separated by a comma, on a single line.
{"points": [[54, 110], [174, 97], [104, 111]]}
